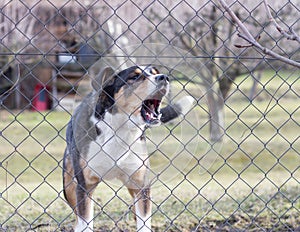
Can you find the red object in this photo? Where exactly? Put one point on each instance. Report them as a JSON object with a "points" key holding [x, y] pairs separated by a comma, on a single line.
{"points": [[40, 98]]}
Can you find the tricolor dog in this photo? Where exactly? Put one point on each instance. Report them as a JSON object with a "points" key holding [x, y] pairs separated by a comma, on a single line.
{"points": [[105, 139]]}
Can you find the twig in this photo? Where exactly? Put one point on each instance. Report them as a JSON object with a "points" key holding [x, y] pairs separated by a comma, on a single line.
{"points": [[290, 35], [246, 35], [39, 226]]}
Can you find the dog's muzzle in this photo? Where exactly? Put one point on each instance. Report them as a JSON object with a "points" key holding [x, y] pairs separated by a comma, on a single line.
{"points": [[151, 106]]}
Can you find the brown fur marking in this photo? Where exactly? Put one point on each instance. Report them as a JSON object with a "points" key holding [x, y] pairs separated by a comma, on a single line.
{"points": [[129, 98], [70, 184]]}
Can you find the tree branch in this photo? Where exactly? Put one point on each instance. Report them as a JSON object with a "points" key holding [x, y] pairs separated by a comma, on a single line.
{"points": [[246, 35], [290, 35]]}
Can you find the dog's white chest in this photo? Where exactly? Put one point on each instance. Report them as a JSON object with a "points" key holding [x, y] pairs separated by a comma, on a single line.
{"points": [[118, 150]]}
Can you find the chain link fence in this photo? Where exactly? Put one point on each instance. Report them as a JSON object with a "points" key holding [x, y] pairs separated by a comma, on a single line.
{"points": [[230, 163]]}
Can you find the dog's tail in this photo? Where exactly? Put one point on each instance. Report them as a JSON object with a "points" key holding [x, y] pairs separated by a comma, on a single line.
{"points": [[181, 107]]}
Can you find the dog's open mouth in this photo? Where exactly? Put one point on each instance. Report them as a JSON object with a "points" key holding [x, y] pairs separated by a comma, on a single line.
{"points": [[151, 111]]}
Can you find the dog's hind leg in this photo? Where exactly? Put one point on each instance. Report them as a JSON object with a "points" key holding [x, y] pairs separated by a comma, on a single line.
{"points": [[85, 204], [69, 182], [79, 196]]}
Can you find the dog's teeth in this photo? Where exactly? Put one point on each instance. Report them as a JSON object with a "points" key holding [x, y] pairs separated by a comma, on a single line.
{"points": [[159, 116], [151, 110]]}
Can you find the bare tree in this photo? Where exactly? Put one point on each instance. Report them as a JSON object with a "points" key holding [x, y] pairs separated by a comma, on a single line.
{"points": [[203, 35]]}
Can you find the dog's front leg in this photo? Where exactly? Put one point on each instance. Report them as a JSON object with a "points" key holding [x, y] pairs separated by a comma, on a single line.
{"points": [[142, 208]]}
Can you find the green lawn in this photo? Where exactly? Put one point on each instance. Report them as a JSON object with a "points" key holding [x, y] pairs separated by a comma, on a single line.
{"points": [[249, 182]]}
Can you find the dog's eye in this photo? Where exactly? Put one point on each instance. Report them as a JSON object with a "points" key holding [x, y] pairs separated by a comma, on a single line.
{"points": [[134, 77]]}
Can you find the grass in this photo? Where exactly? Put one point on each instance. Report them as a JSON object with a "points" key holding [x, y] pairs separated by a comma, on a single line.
{"points": [[249, 182]]}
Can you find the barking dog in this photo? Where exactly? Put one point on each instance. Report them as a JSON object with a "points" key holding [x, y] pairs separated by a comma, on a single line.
{"points": [[105, 139]]}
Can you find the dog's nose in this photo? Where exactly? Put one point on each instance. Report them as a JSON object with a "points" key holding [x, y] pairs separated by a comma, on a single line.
{"points": [[162, 77]]}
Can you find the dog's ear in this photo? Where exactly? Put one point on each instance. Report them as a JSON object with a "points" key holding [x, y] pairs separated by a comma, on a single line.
{"points": [[103, 78]]}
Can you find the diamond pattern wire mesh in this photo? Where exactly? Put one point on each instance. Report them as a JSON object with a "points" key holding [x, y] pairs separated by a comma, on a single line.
{"points": [[230, 164]]}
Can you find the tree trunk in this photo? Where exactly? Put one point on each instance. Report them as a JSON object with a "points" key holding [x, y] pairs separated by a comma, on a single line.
{"points": [[216, 115], [254, 87]]}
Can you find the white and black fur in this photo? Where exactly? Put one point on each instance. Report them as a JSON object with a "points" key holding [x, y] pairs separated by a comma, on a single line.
{"points": [[105, 139]]}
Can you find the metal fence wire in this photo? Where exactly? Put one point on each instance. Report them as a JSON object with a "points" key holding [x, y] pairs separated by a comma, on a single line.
{"points": [[230, 159]]}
